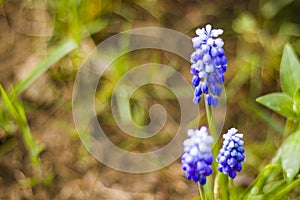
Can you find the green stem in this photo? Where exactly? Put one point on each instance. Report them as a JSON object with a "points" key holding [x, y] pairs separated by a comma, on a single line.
{"points": [[210, 121], [231, 188], [208, 188], [213, 131], [220, 189], [221, 181], [201, 191]]}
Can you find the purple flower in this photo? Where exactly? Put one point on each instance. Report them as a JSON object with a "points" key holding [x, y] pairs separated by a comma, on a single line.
{"points": [[197, 157], [209, 65], [232, 153]]}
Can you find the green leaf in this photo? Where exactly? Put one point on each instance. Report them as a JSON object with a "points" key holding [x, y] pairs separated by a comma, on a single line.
{"points": [[255, 190], [9, 104], [290, 159], [288, 188], [17, 112], [280, 103], [54, 56], [289, 70], [284, 189], [296, 105], [274, 186]]}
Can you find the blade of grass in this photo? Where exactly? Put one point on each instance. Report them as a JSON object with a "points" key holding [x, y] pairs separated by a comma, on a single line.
{"points": [[16, 109], [8, 103], [54, 56]]}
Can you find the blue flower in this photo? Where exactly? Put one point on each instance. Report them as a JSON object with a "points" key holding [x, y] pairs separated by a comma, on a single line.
{"points": [[197, 157], [232, 153], [209, 65]]}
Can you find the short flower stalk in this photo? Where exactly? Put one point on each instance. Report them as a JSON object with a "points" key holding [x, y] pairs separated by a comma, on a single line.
{"points": [[232, 153], [197, 157]]}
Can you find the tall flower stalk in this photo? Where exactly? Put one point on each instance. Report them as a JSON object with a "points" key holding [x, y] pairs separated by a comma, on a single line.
{"points": [[208, 67]]}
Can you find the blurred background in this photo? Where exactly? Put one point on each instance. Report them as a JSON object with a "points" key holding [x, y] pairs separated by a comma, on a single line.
{"points": [[42, 45]]}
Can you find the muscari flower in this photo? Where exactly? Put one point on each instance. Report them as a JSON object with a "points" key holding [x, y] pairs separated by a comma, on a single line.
{"points": [[209, 65], [197, 157], [231, 155]]}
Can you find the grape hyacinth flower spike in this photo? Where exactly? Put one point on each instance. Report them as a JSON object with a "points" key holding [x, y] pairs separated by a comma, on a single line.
{"points": [[209, 64], [231, 155], [197, 157]]}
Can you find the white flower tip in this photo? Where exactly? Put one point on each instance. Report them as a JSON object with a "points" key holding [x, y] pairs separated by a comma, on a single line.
{"points": [[199, 31], [216, 32], [209, 139], [196, 41], [232, 130], [219, 42], [210, 41], [203, 130], [190, 132], [204, 148], [208, 28], [186, 142]]}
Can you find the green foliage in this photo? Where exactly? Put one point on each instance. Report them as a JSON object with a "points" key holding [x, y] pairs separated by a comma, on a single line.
{"points": [[287, 158], [256, 48], [286, 103], [289, 71], [256, 189], [271, 8], [284, 189], [15, 109], [60, 51], [296, 105], [17, 112], [280, 103], [290, 159]]}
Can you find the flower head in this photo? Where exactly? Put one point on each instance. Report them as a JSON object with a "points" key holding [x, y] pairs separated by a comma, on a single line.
{"points": [[197, 157], [232, 153], [209, 64]]}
